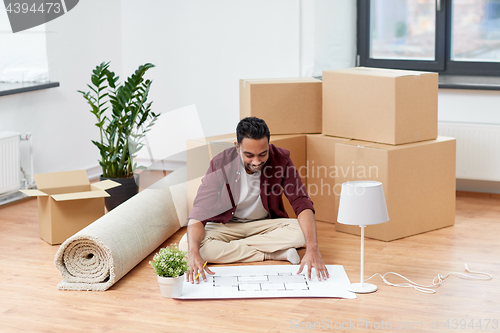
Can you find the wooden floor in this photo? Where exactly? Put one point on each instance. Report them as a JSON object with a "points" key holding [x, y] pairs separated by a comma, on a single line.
{"points": [[31, 302]]}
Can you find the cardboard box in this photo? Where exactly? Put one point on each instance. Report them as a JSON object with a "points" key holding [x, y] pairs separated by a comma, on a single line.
{"points": [[296, 144], [289, 106], [67, 203], [380, 105], [200, 152], [418, 181], [321, 175]]}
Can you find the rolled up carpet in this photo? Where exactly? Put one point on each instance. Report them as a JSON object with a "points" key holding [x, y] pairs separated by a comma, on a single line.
{"points": [[99, 255]]}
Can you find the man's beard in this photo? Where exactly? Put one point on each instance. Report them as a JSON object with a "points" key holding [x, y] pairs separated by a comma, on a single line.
{"points": [[249, 167]]}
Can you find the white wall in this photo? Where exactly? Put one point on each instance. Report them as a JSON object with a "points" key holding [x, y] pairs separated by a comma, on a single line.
{"points": [[469, 106], [201, 50], [58, 118]]}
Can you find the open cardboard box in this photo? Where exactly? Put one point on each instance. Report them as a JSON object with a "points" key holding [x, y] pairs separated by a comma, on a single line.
{"points": [[67, 203]]}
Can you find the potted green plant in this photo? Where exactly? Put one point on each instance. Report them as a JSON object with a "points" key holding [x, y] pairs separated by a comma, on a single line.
{"points": [[169, 265], [123, 117]]}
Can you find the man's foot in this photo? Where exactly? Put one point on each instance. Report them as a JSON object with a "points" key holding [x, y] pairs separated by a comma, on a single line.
{"points": [[288, 254]]}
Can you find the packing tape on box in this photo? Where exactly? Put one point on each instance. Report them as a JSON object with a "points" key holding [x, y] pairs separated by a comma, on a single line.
{"points": [[99, 255]]}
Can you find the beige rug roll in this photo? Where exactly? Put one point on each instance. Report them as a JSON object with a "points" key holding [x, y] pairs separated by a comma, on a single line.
{"points": [[99, 255]]}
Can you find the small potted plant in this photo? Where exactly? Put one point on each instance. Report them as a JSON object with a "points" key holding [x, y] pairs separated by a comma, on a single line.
{"points": [[170, 264]]}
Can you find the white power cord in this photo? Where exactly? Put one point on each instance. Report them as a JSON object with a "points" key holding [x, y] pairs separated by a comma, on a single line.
{"points": [[437, 281]]}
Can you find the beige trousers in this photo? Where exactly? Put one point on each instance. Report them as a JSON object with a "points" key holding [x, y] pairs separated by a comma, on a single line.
{"points": [[248, 241]]}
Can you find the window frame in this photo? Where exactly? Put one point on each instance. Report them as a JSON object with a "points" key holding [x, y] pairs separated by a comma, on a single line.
{"points": [[442, 64]]}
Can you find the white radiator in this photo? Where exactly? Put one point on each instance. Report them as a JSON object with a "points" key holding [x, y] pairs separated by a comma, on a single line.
{"points": [[478, 149], [10, 171]]}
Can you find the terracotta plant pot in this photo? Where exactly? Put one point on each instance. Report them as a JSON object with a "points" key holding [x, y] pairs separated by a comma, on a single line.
{"points": [[120, 194], [171, 287]]}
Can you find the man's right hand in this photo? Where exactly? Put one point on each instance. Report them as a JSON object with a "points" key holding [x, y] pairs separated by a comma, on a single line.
{"points": [[196, 232], [196, 266]]}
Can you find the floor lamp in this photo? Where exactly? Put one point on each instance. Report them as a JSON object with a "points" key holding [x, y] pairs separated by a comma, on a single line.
{"points": [[362, 203]]}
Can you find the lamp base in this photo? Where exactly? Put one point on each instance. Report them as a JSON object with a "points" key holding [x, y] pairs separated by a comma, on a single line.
{"points": [[364, 288]]}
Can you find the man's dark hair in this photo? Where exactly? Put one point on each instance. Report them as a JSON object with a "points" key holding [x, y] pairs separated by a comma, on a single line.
{"points": [[252, 128]]}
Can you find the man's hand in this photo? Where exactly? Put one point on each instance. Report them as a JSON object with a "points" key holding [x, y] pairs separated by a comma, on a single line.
{"points": [[312, 258], [196, 266], [196, 232]]}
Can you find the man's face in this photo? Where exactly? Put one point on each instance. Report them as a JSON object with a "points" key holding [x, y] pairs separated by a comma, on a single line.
{"points": [[254, 153]]}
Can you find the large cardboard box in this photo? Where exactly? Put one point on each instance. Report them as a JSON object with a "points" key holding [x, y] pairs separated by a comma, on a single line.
{"points": [[67, 203], [201, 151], [380, 105], [321, 175], [418, 181], [289, 106]]}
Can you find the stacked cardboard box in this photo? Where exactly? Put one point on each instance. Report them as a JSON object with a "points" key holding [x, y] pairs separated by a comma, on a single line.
{"points": [[357, 124], [289, 106], [322, 184], [394, 112], [380, 105]]}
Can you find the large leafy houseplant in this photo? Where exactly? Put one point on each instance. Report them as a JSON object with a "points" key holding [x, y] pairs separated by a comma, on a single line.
{"points": [[123, 117]]}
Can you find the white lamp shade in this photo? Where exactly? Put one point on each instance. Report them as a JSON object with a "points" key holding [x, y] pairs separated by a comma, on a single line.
{"points": [[362, 203]]}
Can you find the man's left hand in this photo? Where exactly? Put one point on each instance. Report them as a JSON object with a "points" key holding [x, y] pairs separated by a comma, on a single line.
{"points": [[312, 258]]}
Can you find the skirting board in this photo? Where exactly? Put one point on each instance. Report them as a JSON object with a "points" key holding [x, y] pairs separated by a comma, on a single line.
{"points": [[6, 198], [469, 185]]}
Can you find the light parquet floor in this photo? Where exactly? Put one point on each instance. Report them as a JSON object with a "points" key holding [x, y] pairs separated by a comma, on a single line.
{"points": [[31, 302]]}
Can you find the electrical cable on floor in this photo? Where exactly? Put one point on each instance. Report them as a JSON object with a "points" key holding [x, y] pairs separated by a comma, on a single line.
{"points": [[437, 281]]}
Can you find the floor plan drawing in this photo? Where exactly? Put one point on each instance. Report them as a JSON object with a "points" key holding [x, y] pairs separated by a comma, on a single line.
{"points": [[265, 281]]}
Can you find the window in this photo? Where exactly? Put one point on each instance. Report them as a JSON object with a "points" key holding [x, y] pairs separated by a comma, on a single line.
{"points": [[23, 55], [458, 37]]}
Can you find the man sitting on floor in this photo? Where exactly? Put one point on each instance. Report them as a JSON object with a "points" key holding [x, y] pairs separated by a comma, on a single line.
{"points": [[238, 213]]}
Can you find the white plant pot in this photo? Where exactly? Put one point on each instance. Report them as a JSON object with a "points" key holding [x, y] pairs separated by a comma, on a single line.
{"points": [[171, 287]]}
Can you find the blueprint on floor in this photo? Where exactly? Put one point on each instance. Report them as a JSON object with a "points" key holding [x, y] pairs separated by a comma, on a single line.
{"points": [[268, 281]]}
